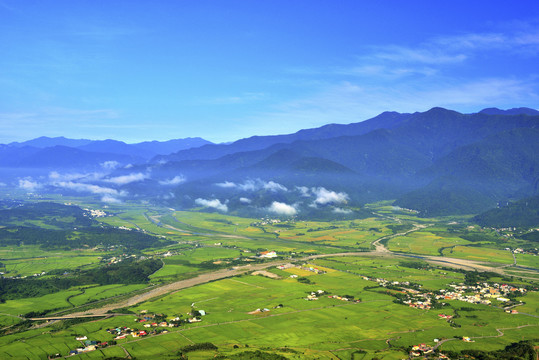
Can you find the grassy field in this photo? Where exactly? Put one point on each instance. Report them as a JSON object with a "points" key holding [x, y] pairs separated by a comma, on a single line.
{"points": [[423, 242], [297, 328], [33, 265], [103, 292], [481, 254], [326, 328], [527, 260]]}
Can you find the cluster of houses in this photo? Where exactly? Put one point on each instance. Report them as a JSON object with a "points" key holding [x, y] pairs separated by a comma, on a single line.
{"points": [[285, 266], [267, 254], [117, 259], [89, 345], [533, 252], [421, 350], [312, 269], [95, 213], [124, 331], [266, 221], [154, 324], [19, 276], [481, 293], [343, 298], [314, 295], [417, 299]]}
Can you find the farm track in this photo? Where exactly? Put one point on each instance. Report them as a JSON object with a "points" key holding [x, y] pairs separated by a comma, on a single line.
{"points": [[181, 331], [500, 334], [380, 250], [226, 273]]}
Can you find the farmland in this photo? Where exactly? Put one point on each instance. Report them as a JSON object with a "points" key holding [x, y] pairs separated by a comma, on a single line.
{"points": [[331, 297]]}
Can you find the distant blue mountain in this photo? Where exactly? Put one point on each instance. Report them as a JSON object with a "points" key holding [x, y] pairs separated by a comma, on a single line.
{"points": [[59, 157], [171, 146], [438, 162], [44, 141], [116, 147], [513, 111], [386, 120]]}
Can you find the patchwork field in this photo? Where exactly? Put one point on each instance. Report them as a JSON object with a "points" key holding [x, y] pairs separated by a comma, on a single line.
{"points": [[423, 242], [481, 254], [332, 307]]}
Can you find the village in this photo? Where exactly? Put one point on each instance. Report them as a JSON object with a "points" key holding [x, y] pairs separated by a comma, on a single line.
{"points": [[481, 293], [154, 324]]}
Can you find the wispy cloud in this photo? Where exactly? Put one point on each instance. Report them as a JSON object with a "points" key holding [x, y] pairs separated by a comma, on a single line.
{"points": [[176, 180], [29, 184], [55, 176], [89, 188], [214, 203], [110, 165], [280, 208], [110, 199], [325, 196], [126, 179], [338, 210], [451, 70], [421, 55], [253, 185], [240, 99]]}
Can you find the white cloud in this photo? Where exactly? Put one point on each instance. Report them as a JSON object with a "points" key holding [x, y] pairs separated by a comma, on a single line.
{"points": [[215, 203], [250, 185], [110, 199], [174, 181], [29, 185], [2, 184], [126, 179], [169, 196], [303, 190], [241, 99], [324, 196], [282, 209], [227, 184], [273, 186], [94, 189], [245, 200], [342, 211], [56, 176], [418, 55], [253, 185], [110, 165]]}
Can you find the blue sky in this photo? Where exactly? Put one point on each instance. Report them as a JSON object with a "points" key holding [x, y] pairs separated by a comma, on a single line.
{"points": [[224, 70]]}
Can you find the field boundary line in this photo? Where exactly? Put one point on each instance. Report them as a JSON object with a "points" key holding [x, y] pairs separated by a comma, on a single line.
{"points": [[186, 338], [242, 282]]}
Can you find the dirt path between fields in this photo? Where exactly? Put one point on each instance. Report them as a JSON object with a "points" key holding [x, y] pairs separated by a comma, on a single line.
{"points": [[176, 286], [226, 273], [380, 250]]}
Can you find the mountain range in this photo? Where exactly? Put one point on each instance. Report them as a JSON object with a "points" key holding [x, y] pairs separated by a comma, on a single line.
{"points": [[437, 162]]}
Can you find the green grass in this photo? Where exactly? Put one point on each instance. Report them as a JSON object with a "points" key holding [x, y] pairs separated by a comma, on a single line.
{"points": [[103, 292], [30, 266], [322, 329], [527, 260], [47, 302], [423, 242], [481, 254]]}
